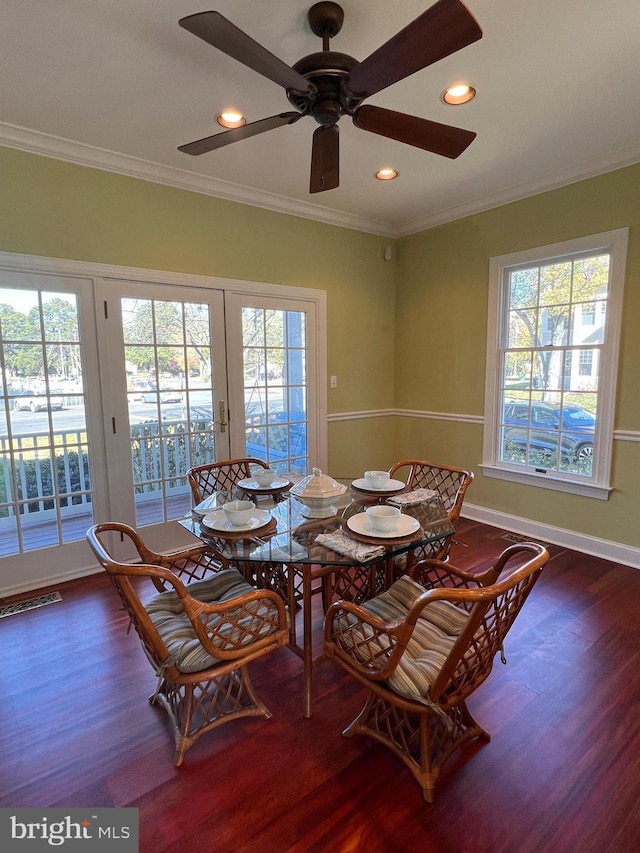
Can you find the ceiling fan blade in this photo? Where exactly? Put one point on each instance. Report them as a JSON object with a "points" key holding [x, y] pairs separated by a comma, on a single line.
{"points": [[226, 137], [216, 30], [420, 132], [325, 159], [444, 28]]}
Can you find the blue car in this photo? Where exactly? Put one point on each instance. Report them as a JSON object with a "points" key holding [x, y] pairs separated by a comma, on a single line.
{"points": [[544, 427]]}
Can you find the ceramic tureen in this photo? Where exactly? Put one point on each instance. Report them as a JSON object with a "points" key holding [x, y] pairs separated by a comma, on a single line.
{"points": [[318, 492]]}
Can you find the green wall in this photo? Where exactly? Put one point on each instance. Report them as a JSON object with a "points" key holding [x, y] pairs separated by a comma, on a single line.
{"points": [[56, 209], [408, 333], [441, 326]]}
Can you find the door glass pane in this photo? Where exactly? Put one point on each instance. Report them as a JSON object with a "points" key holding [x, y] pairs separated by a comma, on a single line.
{"points": [[45, 482], [170, 401], [276, 387]]}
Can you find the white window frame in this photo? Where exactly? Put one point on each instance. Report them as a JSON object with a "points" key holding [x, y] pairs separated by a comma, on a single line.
{"points": [[598, 485]]}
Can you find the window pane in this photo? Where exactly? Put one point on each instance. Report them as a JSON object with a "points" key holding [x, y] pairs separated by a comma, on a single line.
{"points": [[275, 392], [45, 485], [171, 401]]}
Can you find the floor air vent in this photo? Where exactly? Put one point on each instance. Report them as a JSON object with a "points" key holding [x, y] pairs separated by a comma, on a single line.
{"points": [[29, 604], [515, 537]]}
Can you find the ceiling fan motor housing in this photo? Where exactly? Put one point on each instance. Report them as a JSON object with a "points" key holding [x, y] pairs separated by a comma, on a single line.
{"points": [[327, 70]]}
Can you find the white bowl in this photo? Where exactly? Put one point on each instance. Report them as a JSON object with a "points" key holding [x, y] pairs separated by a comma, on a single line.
{"points": [[382, 517], [238, 512], [264, 476], [376, 479]]}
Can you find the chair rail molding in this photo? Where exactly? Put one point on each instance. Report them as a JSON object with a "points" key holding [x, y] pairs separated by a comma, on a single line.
{"points": [[457, 417]]}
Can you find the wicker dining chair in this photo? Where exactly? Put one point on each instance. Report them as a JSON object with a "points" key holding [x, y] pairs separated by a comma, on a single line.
{"points": [[219, 476], [449, 482], [198, 636], [421, 649]]}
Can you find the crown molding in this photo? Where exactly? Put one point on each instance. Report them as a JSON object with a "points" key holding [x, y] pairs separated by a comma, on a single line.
{"points": [[33, 142], [580, 172], [58, 148]]}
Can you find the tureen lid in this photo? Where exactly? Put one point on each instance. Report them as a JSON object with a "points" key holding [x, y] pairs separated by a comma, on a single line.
{"points": [[318, 485]]}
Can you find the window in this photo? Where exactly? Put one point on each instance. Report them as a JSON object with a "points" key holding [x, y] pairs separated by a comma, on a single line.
{"points": [[585, 361], [553, 334]]}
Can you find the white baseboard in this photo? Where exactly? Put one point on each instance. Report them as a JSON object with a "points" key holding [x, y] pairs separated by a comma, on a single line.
{"points": [[627, 555], [45, 584]]}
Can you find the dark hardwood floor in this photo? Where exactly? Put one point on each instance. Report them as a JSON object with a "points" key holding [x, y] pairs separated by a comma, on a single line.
{"points": [[561, 773]]}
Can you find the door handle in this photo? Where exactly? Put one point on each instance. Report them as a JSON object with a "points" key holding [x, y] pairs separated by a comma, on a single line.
{"points": [[222, 423]]}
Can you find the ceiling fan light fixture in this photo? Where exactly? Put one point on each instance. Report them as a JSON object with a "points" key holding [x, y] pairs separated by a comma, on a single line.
{"points": [[386, 174], [460, 93], [231, 118]]}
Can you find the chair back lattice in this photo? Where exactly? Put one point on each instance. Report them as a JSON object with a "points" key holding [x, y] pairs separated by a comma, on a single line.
{"points": [[450, 482], [490, 618], [121, 576], [220, 476]]}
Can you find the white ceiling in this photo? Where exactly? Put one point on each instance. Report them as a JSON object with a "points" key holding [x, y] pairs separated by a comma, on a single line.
{"points": [[119, 85]]}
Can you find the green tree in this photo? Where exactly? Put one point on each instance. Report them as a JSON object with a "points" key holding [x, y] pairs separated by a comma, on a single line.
{"points": [[542, 302], [19, 331]]}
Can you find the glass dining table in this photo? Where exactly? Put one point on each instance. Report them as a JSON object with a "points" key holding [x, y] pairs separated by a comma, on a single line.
{"points": [[295, 555]]}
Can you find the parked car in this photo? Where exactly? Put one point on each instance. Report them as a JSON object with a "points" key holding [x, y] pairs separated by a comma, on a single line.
{"points": [[29, 401], [147, 392], [537, 426]]}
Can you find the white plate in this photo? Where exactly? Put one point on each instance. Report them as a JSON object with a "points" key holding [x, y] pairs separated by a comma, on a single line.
{"points": [[253, 484], [390, 486], [218, 521], [406, 525]]}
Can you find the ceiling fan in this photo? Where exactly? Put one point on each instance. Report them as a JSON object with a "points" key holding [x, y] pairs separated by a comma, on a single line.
{"points": [[327, 85]]}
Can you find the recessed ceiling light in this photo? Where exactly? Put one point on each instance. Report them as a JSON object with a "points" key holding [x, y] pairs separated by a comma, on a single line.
{"points": [[386, 174], [231, 118], [461, 93]]}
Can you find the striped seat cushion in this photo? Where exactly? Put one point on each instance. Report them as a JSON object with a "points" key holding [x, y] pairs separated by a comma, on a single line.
{"points": [[176, 631], [434, 635]]}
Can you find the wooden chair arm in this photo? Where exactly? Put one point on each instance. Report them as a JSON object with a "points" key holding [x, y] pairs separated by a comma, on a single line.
{"points": [[363, 642], [487, 585], [250, 619], [432, 574], [373, 648], [190, 563]]}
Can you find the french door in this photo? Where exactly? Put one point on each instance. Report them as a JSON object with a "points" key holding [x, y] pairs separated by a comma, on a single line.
{"points": [[202, 375], [113, 384], [50, 475]]}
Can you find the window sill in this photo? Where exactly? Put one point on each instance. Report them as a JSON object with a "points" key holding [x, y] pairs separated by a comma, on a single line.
{"points": [[543, 481]]}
